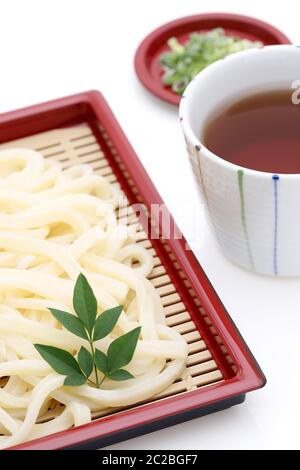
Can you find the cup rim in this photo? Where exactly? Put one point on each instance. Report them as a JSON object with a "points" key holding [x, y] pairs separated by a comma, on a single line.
{"points": [[186, 101]]}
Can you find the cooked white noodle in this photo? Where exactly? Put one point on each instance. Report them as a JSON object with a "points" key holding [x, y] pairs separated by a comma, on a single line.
{"points": [[55, 224]]}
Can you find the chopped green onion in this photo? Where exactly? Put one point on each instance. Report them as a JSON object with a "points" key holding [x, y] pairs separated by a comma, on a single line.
{"points": [[183, 62]]}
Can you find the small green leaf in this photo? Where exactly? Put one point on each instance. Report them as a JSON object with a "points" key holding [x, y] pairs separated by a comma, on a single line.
{"points": [[85, 303], [121, 350], [75, 380], [120, 374], [70, 322], [101, 361], [106, 322], [61, 361], [85, 361]]}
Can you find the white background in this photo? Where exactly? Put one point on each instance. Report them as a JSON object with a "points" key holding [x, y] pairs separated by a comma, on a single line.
{"points": [[53, 48]]}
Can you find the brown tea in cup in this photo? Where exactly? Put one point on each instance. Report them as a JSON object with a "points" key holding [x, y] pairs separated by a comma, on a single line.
{"points": [[259, 131]]}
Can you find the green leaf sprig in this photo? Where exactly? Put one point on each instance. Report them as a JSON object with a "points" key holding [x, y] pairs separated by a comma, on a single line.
{"points": [[88, 326]]}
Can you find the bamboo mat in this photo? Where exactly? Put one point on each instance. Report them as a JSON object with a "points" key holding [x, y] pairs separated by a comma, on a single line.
{"points": [[78, 144]]}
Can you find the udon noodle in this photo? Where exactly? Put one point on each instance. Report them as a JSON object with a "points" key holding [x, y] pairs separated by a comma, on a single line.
{"points": [[55, 224]]}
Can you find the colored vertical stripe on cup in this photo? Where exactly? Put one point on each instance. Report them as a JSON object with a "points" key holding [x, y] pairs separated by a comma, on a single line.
{"points": [[243, 217], [275, 240]]}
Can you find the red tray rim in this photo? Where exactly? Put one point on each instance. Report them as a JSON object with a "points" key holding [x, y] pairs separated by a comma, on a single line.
{"points": [[140, 62], [249, 375]]}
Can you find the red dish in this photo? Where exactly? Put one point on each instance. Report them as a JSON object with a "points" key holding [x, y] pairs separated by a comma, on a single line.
{"points": [[147, 56], [239, 370]]}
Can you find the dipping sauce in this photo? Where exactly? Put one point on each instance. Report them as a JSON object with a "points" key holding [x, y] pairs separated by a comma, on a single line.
{"points": [[259, 131]]}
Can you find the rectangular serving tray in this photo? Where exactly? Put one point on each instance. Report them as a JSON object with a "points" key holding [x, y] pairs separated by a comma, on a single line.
{"points": [[220, 367]]}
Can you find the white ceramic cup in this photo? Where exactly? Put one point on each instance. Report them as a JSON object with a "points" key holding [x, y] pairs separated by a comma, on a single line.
{"points": [[255, 215]]}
